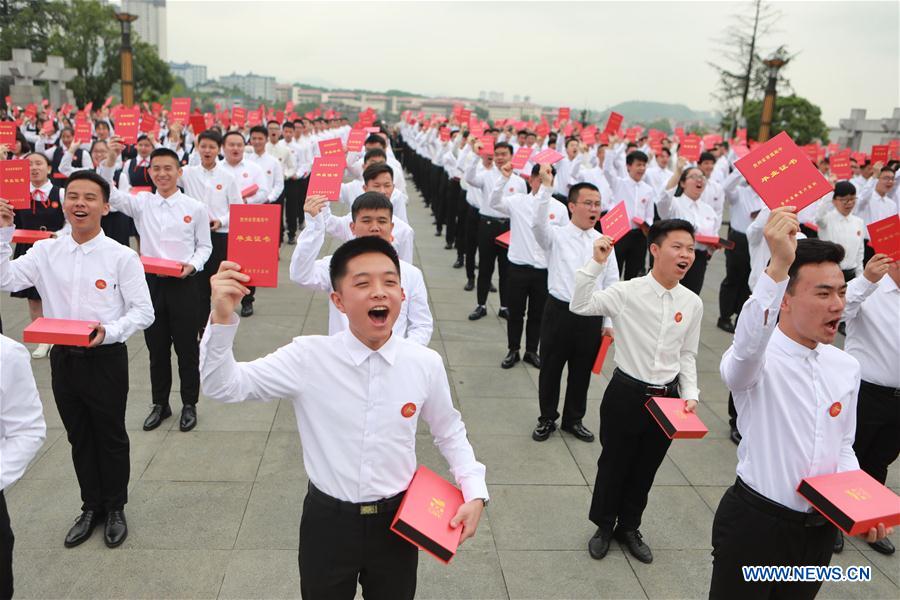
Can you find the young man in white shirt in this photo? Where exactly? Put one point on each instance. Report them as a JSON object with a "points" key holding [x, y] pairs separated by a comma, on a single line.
{"points": [[838, 224], [88, 276], [796, 398], [357, 412], [294, 186], [658, 321], [876, 202], [638, 195]]}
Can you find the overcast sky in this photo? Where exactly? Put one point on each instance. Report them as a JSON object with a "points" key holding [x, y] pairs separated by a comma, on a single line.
{"points": [[581, 54]]}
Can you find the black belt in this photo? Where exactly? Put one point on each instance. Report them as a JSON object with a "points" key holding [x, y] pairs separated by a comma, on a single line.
{"points": [[379, 507], [645, 388], [85, 351], [881, 390], [770, 507], [498, 219]]}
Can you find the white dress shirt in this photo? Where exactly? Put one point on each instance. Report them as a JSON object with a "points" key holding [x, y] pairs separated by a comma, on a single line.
{"points": [[247, 173], [22, 427], [658, 330], [403, 238], [99, 280], [414, 321], [284, 156], [742, 202], [215, 188], [174, 228], [638, 195], [357, 444], [696, 212], [520, 208], [482, 182], [872, 315], [784, 393], [873, 207], [595, 176], [845, 231], [271, 169], [713, 195]]}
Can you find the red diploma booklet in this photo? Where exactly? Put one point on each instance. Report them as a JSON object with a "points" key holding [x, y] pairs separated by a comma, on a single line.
{"points": [[601, 354], [675, 421], [564, 113], [880, 153], [253, 236], [690, 148], [487, 145], [520, 159], [548, 156], [239, 115], [180, 109], [127, 125], [198, 124], [840, 167], [8, 134], [615, 223], [15, 183], [325, 178], [161, 266], [714, 241], [852, 500], [83, 132], [884, 236], [782, 174], [331, 147], [30, 236], [65, 332], [356, 140], [613, 123], [503, 239], [425, 513]]}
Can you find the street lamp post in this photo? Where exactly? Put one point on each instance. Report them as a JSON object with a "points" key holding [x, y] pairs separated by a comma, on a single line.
{"points": [[768, 108], [125, 20]]}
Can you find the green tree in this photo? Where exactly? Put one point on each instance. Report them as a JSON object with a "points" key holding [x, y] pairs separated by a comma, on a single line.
{"points": [[799, 117], [152, 78], [27, 24]]}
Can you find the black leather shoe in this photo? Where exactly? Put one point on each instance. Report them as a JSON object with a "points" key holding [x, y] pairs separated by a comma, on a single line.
{"points": [[883, 546], [458, 264], [82, 529], [598, 545], [634, 541], [533, 359], [247, 310], [292, 240], [476, 314], [580, 431], [511, 359], [448, 246], [725, 325], [543, 430], [116, 529], [470, 285], [735, 436], [438, 233], [839, 543], [493, 289], [156, 416], [188, 417], [503, 313]]}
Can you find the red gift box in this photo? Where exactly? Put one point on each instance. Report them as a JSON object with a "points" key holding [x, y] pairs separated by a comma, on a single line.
{"points": [[249, 191], [712, 240], [615, 223], [161, 266], [601, 354], [253, 236], [424, 515], [65, 332], [30, 236], [15, 183], [884, 236], [503, 239], [676, 422], [8, 134], [852, 500], [520, 159]]}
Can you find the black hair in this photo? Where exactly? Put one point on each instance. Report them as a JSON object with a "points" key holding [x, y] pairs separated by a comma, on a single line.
{"points": [[704, 156], [259, 129], [43, 156], [357, 247], [812, 251], [536, 170], [844, 188], [502, 145], [679, 189], [571, 138], [666, 150], [99, 123], [371, 201], [374, 153], [521, 132], [272, 122], [94, 144], [233, 132], [374, 170], [91, 175], [288, 124], [375, 139], [663, 227], [636, 156], [211, 136], [165, 152], [575, 190]]}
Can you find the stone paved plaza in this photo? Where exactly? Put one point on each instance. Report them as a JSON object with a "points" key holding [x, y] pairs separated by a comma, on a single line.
{"points": [[214, 513]]}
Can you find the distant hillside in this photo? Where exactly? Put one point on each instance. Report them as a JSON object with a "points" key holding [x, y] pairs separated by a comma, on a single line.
{"points": [[642, 111]]}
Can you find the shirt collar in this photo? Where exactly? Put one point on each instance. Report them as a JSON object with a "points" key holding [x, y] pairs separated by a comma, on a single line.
{"points": [[657, 287], [359, 352], [888, 284], [792, 348], [87, 247], [46, 188], [171, 199]]}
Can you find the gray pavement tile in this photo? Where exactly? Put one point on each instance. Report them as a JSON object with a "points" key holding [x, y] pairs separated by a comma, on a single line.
{"points": [[517, 459], [208, 456], [880, 587], [544, 575], [262, 575], [477, 354], [889, 565], [43, 574], [705, 461], [486, 381], [586, 456], [540, 517], [467, 331], [239, 416], [285, 420], [676, 518], [282, 459], [272, 517], [471, 574], [500, 416], [42, 510], [674, 573]]}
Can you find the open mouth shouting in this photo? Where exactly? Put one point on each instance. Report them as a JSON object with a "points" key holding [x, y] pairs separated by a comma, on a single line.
{"points": [[79, 214], [831, 327], [378, 315], [683, 266]]}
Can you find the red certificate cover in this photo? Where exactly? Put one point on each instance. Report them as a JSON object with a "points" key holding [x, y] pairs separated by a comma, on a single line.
{"points": [[487, 145], [127, 125], [425, 513], [253, 236], [239, 115], [714, 241], [148, 123], [30, 236], [601, 355], [161, 266], [589, 137], [852, 500], [520, 158], [15, 183], [880, 154], [65, 332], [615, 223], [840, 167], [548, 156], [331, 147], [8, 134], [884, 236], [356, 139], [250, 190], [690, 148], [613, 123], [675, 421], [503, 238], [782, 174], [198, 124], [564, 113], [180, 109], [325, 179]]}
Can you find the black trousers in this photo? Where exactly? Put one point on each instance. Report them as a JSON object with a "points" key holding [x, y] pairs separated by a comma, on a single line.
{"points": [[294, 197], [218, 254], [442, 200], [176, 303], [488, 252], [525, 285], [7, 539], [877, 442], [634, 446], [90, 386], [452, 197], [460, 232], [631, 251], [693, 279], [750, 530], [735, 290], [566, 338], [473, 222], [339, 548]]}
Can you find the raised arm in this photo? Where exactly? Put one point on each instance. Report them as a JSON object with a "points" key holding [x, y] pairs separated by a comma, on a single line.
{"points": [[497, 201], [587, 301], [305, 270], [540, 225]]}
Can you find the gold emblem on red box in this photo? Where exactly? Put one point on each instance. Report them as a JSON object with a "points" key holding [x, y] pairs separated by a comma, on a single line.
{"points": [[436, 507]]}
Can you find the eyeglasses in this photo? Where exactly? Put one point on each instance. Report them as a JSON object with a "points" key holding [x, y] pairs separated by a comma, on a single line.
{"points": [[591, 204]]}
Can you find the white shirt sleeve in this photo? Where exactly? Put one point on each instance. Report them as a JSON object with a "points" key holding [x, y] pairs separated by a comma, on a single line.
{"points": [[21, 412], [305, 270], [139, 313]]}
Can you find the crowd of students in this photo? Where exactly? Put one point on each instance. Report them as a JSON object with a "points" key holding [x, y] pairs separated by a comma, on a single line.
{"points": [[561, 282]]}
